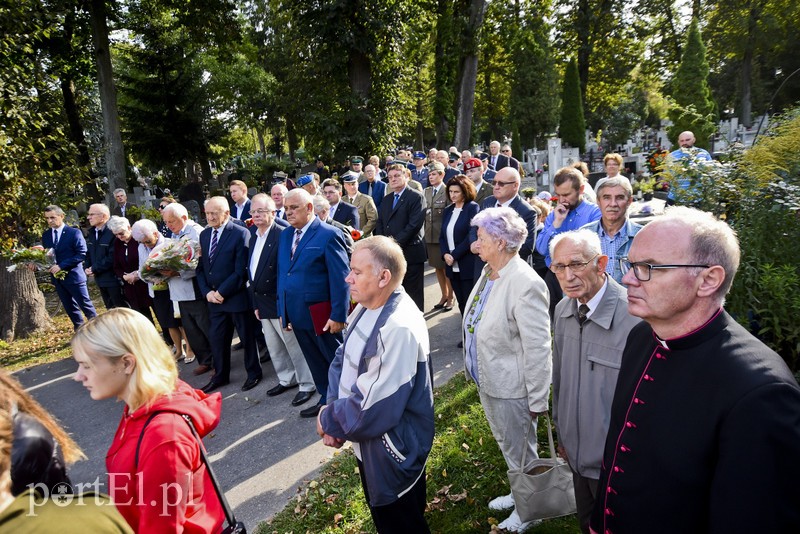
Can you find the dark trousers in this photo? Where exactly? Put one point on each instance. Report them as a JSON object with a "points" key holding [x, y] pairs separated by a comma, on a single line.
{"points": [[318, 352], [462, 288], [221, 333], [75, 298], [406, 514], [585, 494], [414, 284], [196, 324], [555, 291], [113, 297]]}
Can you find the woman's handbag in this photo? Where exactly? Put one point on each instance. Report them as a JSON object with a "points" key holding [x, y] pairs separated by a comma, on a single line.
{"points": [[233, 526], [546, 489]]}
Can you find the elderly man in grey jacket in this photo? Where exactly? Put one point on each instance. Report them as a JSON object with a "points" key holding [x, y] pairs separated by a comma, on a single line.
{"points": [[591, 326]]}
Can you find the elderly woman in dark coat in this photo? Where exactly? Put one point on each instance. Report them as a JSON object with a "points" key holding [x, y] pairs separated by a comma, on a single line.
{"points": [[126, 264]]}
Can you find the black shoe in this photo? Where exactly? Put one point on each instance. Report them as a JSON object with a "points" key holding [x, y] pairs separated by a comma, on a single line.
{"points": [[250, 383], [265, 357], [212, 385], [302, 397], [277, 390], [238, 346], [460, 345], [311, 411]]}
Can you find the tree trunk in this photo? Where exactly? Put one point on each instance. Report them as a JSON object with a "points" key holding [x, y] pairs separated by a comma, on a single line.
{"points": [[22, 310], [262, 146], [585, 45], [747, 64], [291, 138], [419, 140], [115, 153], [469, 75]]}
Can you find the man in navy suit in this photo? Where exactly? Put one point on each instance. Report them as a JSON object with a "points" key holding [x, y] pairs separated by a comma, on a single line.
{"points": [[312, 266], [70, 251], [262, 269], [402, 217], [373, 187], [240, 207], [100, 257], [506, 193], [342, 212], [221, 275], [499, 161]]}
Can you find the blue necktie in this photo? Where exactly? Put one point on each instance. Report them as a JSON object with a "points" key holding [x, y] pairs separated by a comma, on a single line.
{"points": [[396, 200], [55, 238], [213, 246]]}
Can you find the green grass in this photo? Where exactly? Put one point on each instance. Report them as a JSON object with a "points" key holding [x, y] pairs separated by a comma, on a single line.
{"points": [[465, 471]]}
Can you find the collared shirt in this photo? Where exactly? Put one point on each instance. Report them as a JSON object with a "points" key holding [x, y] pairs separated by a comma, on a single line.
{"points": [[504, 204], [595, 300], [333, 210], [585, 213], [258, 246], [240, 208], [609, 245]]}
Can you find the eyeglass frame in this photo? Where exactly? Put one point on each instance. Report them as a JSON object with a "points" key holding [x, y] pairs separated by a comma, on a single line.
{"points": [[650, 267], [161, 207], [575, 266]]}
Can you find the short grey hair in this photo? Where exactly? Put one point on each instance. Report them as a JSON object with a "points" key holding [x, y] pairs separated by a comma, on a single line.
{"points": [[55, 209], [588, 241], [617, 181], [266, 199], [119, 190], [176, 210], [303, 195], [505, 224], [712, 242], [386, 254], [321, 204], [142, 228], [103, 209], [117, 224]]}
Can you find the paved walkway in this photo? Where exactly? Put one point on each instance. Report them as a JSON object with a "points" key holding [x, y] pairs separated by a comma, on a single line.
{"points": [[262, 449]]}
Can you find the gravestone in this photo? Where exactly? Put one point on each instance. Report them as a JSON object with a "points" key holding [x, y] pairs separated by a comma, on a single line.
{"points": [[147, 199], [193, 207]]}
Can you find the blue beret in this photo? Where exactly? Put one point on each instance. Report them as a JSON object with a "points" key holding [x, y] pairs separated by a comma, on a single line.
{"points": [[305, 179]]}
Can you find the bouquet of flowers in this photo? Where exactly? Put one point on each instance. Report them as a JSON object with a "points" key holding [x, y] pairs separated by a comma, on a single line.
{"points": [[172, 255], [37, 256]]}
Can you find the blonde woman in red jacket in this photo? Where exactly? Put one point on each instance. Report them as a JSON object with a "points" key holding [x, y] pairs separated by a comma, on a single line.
{"points": [[167, 489]]}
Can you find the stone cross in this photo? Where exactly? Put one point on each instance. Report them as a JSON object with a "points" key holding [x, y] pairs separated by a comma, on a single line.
{"points": [[147, 199]]}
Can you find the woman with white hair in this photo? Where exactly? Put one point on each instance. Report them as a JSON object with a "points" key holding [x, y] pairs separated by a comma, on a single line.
{"points": [[157, 476], [149, 237], [507, 343]]}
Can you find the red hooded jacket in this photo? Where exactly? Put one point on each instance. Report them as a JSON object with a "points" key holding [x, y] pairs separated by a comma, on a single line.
{"points": [[170, 491]]}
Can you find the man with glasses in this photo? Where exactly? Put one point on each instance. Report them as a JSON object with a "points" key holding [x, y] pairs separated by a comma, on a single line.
{"points": [[570, 213], [505, 193], [499, 161], [705, 424], [372, 187], [100, 257], [341, 212], [590, 328]]}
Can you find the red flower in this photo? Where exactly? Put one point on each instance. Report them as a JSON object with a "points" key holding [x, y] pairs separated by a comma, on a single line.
{"points": [[355, 234], [249, 222]]}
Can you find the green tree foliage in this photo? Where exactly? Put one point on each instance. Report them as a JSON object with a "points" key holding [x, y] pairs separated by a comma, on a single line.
{"points": [[572, 126], [534, 99], [170, 102], [693, 108], [752, 48]]}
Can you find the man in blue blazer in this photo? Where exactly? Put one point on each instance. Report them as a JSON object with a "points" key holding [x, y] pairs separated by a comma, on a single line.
{"points": [[341, 212], [262, 269], [312, 266], [506, 194], [221, 276], [100, 257], [70, 251], [372, 186], [402, 217]]}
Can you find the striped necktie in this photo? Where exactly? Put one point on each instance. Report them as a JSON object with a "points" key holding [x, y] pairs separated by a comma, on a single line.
{"points": [[213, 250], [297, 235]]}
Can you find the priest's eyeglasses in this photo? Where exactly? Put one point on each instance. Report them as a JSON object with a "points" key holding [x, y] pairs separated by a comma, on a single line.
{"points": [[642, 271]]}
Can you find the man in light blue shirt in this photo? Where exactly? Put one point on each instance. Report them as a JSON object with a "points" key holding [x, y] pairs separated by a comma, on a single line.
{"points": [[687, 150]]}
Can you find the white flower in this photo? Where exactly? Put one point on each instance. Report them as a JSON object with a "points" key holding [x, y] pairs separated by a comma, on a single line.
{"points": [[11, 268]]}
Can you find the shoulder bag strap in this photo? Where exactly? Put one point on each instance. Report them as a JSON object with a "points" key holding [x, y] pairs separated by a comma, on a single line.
{"points": [[217, 489]]}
